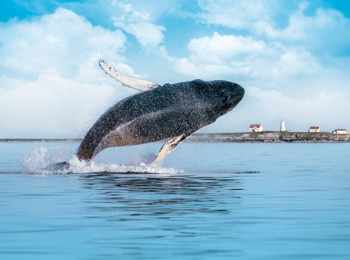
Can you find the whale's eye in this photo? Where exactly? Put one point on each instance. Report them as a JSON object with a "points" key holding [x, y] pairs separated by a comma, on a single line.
{"points": [[224, 96]]}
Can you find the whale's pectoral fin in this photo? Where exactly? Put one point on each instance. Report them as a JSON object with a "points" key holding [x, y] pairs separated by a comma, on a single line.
{"points": [[131, 82], [167, 149]]}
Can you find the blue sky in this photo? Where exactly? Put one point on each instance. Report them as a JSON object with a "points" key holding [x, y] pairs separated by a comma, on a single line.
{"points": [[292, 57]]}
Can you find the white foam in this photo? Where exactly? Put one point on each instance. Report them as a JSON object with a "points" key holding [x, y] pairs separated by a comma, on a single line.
{"points": [[39, 159], [40, 162], [77, 166]]}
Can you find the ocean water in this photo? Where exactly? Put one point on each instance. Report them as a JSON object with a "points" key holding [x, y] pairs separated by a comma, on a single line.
{"points": [[208, 201]]}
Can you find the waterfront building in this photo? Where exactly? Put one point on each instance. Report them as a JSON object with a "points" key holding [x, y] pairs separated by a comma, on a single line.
{"points": [[255, 128], [340, 131], [314, 129]]}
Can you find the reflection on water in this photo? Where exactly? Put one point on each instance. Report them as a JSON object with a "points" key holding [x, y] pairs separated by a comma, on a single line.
{"points": [[161, 195], [164, 217]]}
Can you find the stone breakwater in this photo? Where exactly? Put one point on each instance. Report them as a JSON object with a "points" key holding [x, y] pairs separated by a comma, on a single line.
{"points": [[272, 137]]}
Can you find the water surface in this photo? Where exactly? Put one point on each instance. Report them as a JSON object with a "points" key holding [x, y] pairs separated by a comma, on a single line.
{"points": [[200, 206]]}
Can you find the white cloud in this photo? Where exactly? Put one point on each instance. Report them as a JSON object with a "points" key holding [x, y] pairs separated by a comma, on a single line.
{"points": [[220, 48], [50, 81], [50, 106], [59, 41], [297, 62], [140, 25], [243, 57], [326, 31], [238, 14], [219, 55]]}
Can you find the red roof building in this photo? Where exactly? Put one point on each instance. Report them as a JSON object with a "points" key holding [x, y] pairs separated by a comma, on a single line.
{"points": [[340, 131], [255, 128], [314, 129]]}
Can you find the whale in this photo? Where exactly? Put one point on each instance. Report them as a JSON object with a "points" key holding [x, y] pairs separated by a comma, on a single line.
{"points": [[170, 112]]}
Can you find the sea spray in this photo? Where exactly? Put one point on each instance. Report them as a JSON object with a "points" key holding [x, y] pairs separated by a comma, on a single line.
{"points": [[40, 162], [39, 159], [78, 166]]}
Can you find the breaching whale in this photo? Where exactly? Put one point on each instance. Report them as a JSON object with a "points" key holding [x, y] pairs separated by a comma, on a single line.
{"points": [[170, 111]]}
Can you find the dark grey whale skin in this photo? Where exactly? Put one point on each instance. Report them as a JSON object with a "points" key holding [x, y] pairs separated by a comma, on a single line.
{"points": [[162, 113]]}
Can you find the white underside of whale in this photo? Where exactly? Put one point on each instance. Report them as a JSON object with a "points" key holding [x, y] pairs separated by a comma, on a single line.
{"points": [[140, 85]]}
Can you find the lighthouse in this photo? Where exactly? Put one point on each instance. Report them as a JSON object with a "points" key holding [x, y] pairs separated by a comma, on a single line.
{"points": [[283, 126]]}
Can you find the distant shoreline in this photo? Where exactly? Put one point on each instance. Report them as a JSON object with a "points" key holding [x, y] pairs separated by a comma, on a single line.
{"points": [[244, 137], [272, 137], [38, 140]]}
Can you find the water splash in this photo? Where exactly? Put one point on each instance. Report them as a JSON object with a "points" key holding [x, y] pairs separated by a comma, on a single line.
{"points": [[39, 159], [40, 162]]}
